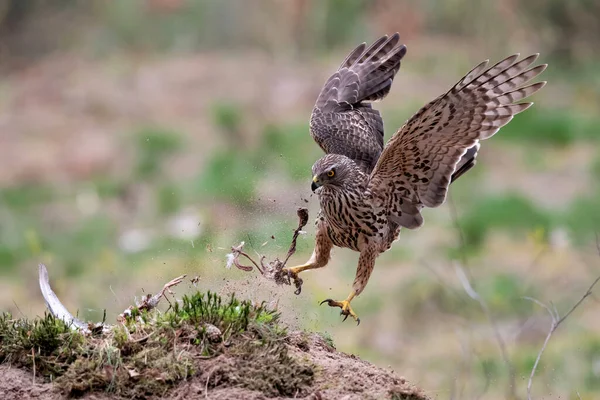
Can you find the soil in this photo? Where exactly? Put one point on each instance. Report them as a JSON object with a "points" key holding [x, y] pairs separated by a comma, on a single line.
{"points": [[337, 376]]}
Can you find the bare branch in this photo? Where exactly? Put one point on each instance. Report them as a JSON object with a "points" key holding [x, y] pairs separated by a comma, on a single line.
{"points": [[585, 295], [462, 277], [54, 305], [149, 302], [556, 321]]}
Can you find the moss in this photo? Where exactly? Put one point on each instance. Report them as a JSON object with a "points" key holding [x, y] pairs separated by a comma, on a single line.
{"points": [[47, 341], [152, 351], [265, 366]]}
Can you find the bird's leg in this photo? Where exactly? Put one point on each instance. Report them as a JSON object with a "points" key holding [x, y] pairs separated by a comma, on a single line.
{"points": [[320, 256], [310, 264], [366, 262]]}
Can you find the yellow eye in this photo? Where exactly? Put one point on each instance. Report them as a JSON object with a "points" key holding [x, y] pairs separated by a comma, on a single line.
{"points": [[330, 173]]}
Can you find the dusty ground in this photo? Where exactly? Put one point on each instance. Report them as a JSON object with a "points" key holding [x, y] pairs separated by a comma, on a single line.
{"points": [[337, 376]]}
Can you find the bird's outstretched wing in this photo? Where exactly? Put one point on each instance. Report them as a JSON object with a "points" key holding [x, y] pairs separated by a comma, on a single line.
{"points": [[343, 121], [440, 142]]}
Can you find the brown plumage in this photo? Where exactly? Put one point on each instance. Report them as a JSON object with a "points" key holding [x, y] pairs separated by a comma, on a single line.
{"points": [[367, 192]]}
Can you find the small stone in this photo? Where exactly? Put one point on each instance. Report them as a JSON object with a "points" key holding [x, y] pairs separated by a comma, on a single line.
{"points": [[212, 332]]}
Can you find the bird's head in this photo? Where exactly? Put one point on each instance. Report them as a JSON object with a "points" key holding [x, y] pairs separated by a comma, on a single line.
{"points": [[332, 170]]}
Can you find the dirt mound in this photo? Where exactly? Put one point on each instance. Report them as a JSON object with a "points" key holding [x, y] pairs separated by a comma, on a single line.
{"points": [[336, 376], [202, 347]]}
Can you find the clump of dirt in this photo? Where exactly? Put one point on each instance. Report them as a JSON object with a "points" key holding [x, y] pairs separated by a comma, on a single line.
{"points": [[202, 347]]}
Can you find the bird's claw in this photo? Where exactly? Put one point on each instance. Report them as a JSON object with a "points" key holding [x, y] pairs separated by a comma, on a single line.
{"points": [[293, 275], [346, 309]]}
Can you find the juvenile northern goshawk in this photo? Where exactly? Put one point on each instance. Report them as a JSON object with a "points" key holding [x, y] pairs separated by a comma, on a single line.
{"points": [[368, 192]]}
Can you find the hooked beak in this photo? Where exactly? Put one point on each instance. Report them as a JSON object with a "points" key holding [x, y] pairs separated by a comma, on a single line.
{"points": [[315, 183]]}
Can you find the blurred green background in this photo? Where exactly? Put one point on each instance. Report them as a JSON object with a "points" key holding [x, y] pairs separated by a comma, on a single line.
{"points": [[140, 139]]}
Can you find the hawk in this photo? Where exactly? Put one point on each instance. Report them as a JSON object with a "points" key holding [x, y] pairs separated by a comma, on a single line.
{"points": [[368, 191]]}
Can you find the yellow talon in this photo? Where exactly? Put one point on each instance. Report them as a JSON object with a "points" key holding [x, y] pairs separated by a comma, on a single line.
{"points": [[345, 306]]}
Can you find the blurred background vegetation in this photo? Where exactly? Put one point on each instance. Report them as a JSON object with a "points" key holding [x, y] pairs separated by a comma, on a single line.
{"points": [[140, 139]]}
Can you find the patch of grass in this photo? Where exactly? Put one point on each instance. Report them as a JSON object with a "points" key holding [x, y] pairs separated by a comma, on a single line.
{"points": [[233, 176], [168, 198], [151, 351], [511, 213], [190, 25], [592, 355], [336, 22], [154, 145], [48, 340], [10, 257], [76, 247], [504, 295], [228, 117], [553, 127], [422, 296], [583, 218], [524, 359], [19, 238], [24, 197], [230, 176], [490, 368], [130, 25], [327, 338], [596, 168], [290, 147], [16, 246], [108, 187]]}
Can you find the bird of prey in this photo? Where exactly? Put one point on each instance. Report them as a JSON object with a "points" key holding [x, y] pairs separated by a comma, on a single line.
{"points": [[368, 191]]}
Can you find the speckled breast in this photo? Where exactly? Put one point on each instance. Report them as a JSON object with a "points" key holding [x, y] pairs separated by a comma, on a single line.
{"points": [[348, 218]]}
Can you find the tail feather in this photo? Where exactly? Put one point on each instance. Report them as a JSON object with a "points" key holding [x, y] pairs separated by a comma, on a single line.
{"points": [[379, 49], [366, 74]]}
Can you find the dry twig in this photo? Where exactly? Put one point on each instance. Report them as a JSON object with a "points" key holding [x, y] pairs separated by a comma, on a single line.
{"points": [[556, 321], [33, 359], [149, 301], [273, 270]]}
